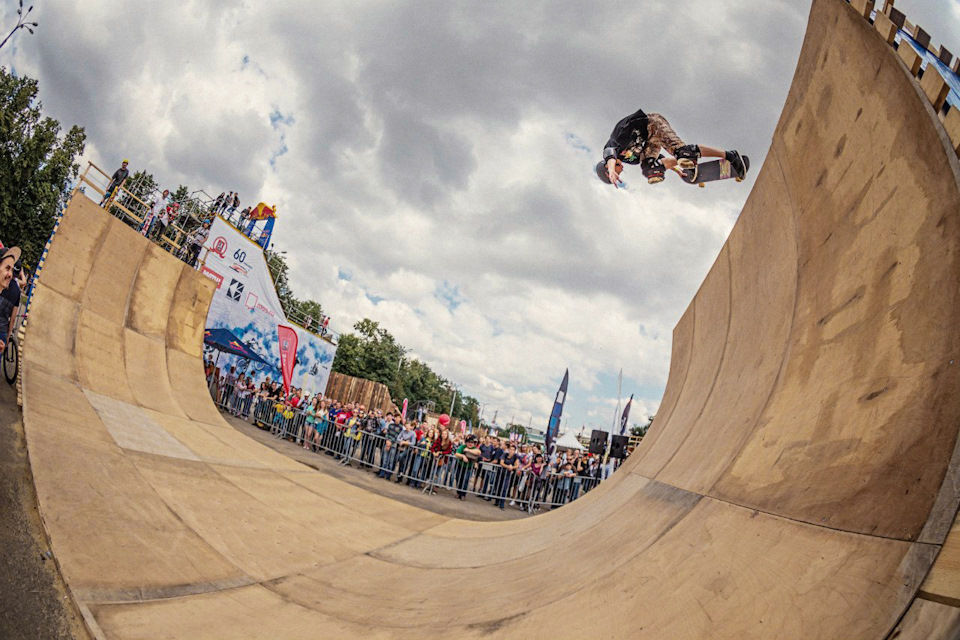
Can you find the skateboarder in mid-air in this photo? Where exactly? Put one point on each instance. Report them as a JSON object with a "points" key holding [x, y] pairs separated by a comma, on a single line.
{"points": [[639, 138]]}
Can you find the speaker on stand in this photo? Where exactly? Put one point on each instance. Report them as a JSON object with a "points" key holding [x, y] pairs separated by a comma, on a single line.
{"points": [[618, 447], [598, 442]]}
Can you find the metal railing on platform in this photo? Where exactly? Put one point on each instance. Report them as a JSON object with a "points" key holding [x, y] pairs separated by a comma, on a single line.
{"points": [[122, 203]]}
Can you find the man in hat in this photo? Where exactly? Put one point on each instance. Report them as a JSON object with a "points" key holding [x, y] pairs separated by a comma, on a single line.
{"points": [[10, 297], [119, 177]]}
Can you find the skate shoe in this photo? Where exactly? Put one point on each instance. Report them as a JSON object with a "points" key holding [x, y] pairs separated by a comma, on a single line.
{"points": [[687, 156], [737, 164], [653, 170]]}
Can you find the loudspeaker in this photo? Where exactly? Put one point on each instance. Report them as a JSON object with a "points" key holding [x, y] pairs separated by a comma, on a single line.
{"points": [[618, 447], [598, 441]]}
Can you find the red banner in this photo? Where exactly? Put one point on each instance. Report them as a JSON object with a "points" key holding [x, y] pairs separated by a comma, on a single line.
{"points": [[288, 354], [403, 414]]}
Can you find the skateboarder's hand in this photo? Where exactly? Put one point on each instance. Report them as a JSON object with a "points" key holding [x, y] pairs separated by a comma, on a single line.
{"points": [[612, 172]]}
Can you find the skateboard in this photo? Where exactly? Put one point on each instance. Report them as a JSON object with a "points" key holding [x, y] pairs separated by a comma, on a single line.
{"points": [[710, 171]]}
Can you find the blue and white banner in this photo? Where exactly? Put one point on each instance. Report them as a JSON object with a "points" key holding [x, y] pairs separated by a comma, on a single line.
{"points": [[553, 426], [246, 303]]}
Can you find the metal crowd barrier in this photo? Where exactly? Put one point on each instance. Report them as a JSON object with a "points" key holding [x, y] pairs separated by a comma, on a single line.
{"points": [[412, 464]]}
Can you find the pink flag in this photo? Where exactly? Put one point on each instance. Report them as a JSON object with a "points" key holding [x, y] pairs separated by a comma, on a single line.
{"points": [[463, 426], [403, 414], [288, 354]]}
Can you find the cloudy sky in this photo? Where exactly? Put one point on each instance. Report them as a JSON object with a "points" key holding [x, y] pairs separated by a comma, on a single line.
{"points": [[432, 159]]}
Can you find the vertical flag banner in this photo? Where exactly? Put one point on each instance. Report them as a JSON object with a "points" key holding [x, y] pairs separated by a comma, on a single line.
{"points": [[626, 416], [616, 412], [553, 427], [463, 427], [403, 414], [288, 353]]}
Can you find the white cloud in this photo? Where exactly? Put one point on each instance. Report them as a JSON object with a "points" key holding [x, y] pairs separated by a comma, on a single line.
{"points": [[445, 159]]}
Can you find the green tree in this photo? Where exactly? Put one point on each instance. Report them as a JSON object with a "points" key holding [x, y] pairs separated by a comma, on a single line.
{"points": [[468, 409], [277, 263], [641, 430], [311, 309], [348, 359], [37, 166], [298, 310], [142, 185], [373, 353]]}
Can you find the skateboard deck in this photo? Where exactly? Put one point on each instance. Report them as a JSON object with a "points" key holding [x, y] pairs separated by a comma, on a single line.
{"points": [[711, 171]]}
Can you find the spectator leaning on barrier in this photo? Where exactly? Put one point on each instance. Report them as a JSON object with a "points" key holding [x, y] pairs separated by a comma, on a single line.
{"points": [[226, 202], [467, 455], [441, 449], [508, 466], [486, 450], [422, 462], [389, 458], [119, 177], [233, 204], [166, 214], [309, 421], [195, 242], [492, 477], [405, 441], [370, 426], [9, 258], [9, 306], [150, 220]]}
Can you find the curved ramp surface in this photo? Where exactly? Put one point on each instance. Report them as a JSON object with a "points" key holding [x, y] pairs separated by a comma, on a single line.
{"points": [[799, 480]]}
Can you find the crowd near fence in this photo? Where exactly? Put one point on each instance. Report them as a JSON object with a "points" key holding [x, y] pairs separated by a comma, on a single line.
{"points": [[530, 483]]}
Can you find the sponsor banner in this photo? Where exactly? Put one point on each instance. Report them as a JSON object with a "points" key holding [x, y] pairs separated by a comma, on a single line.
{"points": [[246, 303]]}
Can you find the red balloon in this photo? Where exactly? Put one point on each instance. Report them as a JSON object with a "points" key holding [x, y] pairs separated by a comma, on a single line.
{"points": [[444, 420]]}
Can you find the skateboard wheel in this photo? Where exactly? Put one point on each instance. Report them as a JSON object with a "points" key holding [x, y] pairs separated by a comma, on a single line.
{"points": [[701, 185], [739, 179]]}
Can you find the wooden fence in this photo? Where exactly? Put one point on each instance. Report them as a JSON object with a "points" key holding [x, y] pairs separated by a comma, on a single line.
{"points": [[373, 395]]}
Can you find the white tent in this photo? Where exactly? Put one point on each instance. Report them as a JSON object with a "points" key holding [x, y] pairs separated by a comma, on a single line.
{"points": [[569, 441]]}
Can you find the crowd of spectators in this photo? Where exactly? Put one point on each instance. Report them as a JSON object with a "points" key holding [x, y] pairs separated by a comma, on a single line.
{"points": [[416, 453]]}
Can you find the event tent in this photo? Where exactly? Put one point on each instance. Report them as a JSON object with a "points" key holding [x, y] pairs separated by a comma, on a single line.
{"points": [[569, 441]]}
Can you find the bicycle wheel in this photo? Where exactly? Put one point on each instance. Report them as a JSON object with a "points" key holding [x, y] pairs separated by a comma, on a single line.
{"points": [[11, 361]]}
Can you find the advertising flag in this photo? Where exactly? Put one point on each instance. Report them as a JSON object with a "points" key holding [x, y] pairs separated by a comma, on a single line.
{"points": [[553, 426], [626, 416], [403, 414], [616, 412], [288, 354]]}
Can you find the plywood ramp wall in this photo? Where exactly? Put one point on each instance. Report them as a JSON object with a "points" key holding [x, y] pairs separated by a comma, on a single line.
{"points": [[799, 481]]}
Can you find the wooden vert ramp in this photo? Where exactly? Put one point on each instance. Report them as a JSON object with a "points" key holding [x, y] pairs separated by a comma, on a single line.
{"points": [[799, 481]]}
